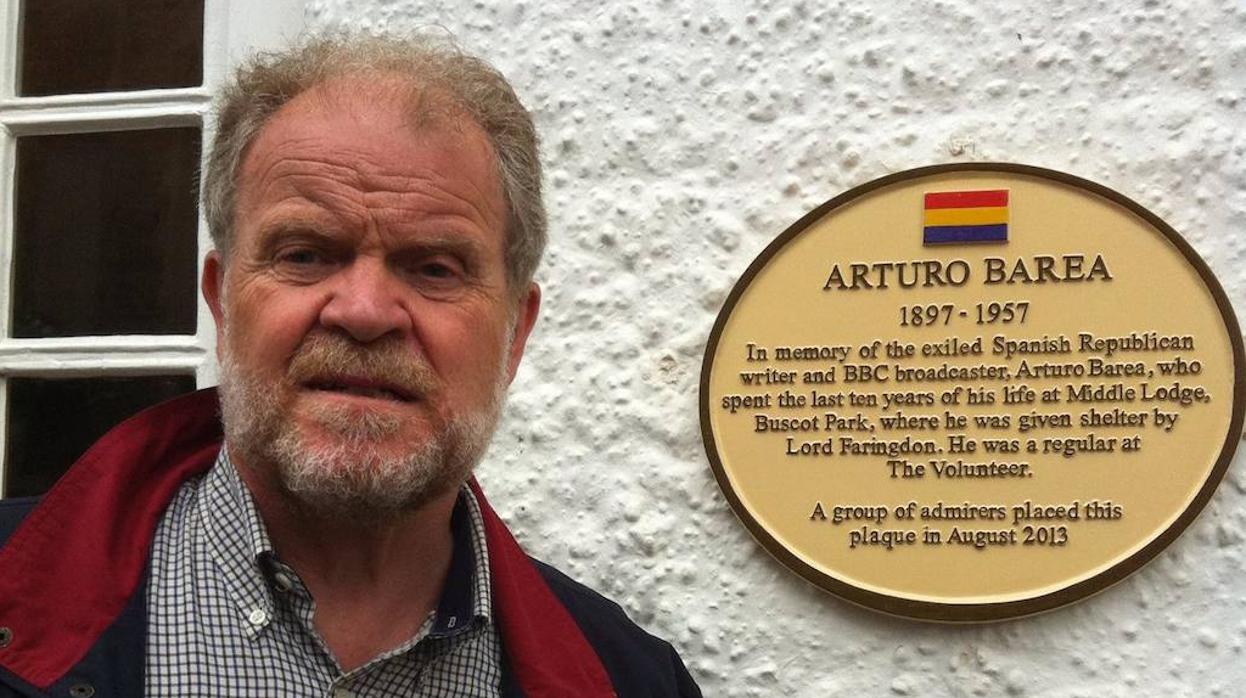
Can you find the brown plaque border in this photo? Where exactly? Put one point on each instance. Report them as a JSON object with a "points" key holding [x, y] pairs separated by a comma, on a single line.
{"points": [[979, 612]]}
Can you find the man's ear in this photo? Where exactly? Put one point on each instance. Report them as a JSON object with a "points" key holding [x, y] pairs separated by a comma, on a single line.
{"points": [[525, 317], [212, 284]]}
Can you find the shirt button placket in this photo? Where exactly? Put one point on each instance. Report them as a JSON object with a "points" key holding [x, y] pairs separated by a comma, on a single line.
{"points": [[258, 617]]}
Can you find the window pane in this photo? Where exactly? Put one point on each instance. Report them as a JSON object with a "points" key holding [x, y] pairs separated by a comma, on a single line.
{"points": [[53, 421], [106, 234], [73, 46]]}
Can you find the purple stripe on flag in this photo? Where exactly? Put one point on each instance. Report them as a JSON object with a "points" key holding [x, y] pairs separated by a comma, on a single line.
{"points": [[936, 234]]}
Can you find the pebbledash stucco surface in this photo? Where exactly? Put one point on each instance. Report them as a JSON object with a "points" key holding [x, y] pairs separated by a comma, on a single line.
{"points": [[680, 137]]}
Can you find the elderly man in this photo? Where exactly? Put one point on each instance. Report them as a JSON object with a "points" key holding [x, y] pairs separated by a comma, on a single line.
{"points": [[375, 207]]}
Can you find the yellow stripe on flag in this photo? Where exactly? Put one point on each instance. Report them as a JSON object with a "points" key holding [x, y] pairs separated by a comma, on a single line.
{"points": [[967, 216]]}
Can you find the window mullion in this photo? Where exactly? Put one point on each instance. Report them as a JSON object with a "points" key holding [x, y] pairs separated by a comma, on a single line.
{"points": [[8, 164], [9, 48]]}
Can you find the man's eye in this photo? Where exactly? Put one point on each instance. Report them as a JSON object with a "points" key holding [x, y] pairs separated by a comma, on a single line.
{"points": [[439, 270], [302, 257], [436, 270], [303, 264]]}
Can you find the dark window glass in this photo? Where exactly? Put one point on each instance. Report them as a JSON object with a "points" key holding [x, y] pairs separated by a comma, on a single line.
{"points": [[53, 421], [71, 46], [106, 234]]}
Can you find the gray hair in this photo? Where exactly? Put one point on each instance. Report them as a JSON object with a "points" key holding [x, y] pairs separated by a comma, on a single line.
{"points": [[269, 80]]}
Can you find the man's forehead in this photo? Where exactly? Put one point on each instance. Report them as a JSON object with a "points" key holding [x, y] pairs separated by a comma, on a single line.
{"points": [[348, 138], [368, 123]]}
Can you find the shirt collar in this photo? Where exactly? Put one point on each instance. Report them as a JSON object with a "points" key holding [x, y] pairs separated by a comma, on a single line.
{"points": [[238, 540]]}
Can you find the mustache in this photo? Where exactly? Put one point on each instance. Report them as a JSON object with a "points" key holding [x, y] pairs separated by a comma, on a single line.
{"points": [[387, 362]]}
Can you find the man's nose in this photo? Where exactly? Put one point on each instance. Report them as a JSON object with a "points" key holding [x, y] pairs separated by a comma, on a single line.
{"points": [[366, 301]]}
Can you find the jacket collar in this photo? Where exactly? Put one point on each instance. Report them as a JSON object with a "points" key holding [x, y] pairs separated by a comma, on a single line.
{"points": [[82, 554]]}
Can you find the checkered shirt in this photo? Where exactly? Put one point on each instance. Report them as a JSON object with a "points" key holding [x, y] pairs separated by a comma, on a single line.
{"points": [[228, 618]]}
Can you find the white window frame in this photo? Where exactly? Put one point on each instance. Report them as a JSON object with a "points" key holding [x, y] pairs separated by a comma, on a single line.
{"points": [[117, 355]]}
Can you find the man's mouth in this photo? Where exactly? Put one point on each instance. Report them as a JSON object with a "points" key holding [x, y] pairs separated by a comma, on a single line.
{"points": [[376, 390]]}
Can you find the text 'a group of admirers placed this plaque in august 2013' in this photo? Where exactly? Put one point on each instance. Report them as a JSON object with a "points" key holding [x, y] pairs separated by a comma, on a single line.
{"points": [[972, 392]]}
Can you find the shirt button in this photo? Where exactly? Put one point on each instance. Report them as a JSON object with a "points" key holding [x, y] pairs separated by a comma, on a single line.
{"points": [[258, 617], [340, 692], [283, 581]]}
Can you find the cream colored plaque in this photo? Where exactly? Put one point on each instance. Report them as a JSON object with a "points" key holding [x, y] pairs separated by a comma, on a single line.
{"points": [[972, 392]]}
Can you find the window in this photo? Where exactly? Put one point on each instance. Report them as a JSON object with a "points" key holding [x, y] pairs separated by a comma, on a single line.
{"points": [[103, 107]]}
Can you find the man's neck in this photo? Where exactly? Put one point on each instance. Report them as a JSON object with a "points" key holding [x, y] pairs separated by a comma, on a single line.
{"points": [[374, 582]]}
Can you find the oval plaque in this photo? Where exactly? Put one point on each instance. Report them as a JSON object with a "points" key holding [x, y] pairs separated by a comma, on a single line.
{"points": [[972, 392]]}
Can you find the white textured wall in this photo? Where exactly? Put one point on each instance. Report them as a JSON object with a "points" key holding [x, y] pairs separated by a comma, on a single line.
{"points": [[679, 138]]}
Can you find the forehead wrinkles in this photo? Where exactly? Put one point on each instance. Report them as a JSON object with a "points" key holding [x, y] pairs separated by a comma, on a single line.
{"points": [[319, 164], [429, 194], [348, 193], [284, 179]]}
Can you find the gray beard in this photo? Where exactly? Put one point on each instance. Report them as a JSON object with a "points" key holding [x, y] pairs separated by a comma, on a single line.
{"points": [[352, 478]]}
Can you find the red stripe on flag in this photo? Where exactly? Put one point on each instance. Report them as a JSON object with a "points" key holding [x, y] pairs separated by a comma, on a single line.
{"points": [[967, 199]]}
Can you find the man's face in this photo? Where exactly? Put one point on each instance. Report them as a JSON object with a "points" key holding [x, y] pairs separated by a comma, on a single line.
{"points": [[365, 325]]}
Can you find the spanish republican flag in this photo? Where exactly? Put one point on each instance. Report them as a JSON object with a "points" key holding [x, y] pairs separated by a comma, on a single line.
{"points": [[966, 216]]}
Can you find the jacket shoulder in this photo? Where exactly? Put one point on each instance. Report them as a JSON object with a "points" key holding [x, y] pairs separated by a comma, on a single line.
{"points": [[639, 664], [12, 513]]}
